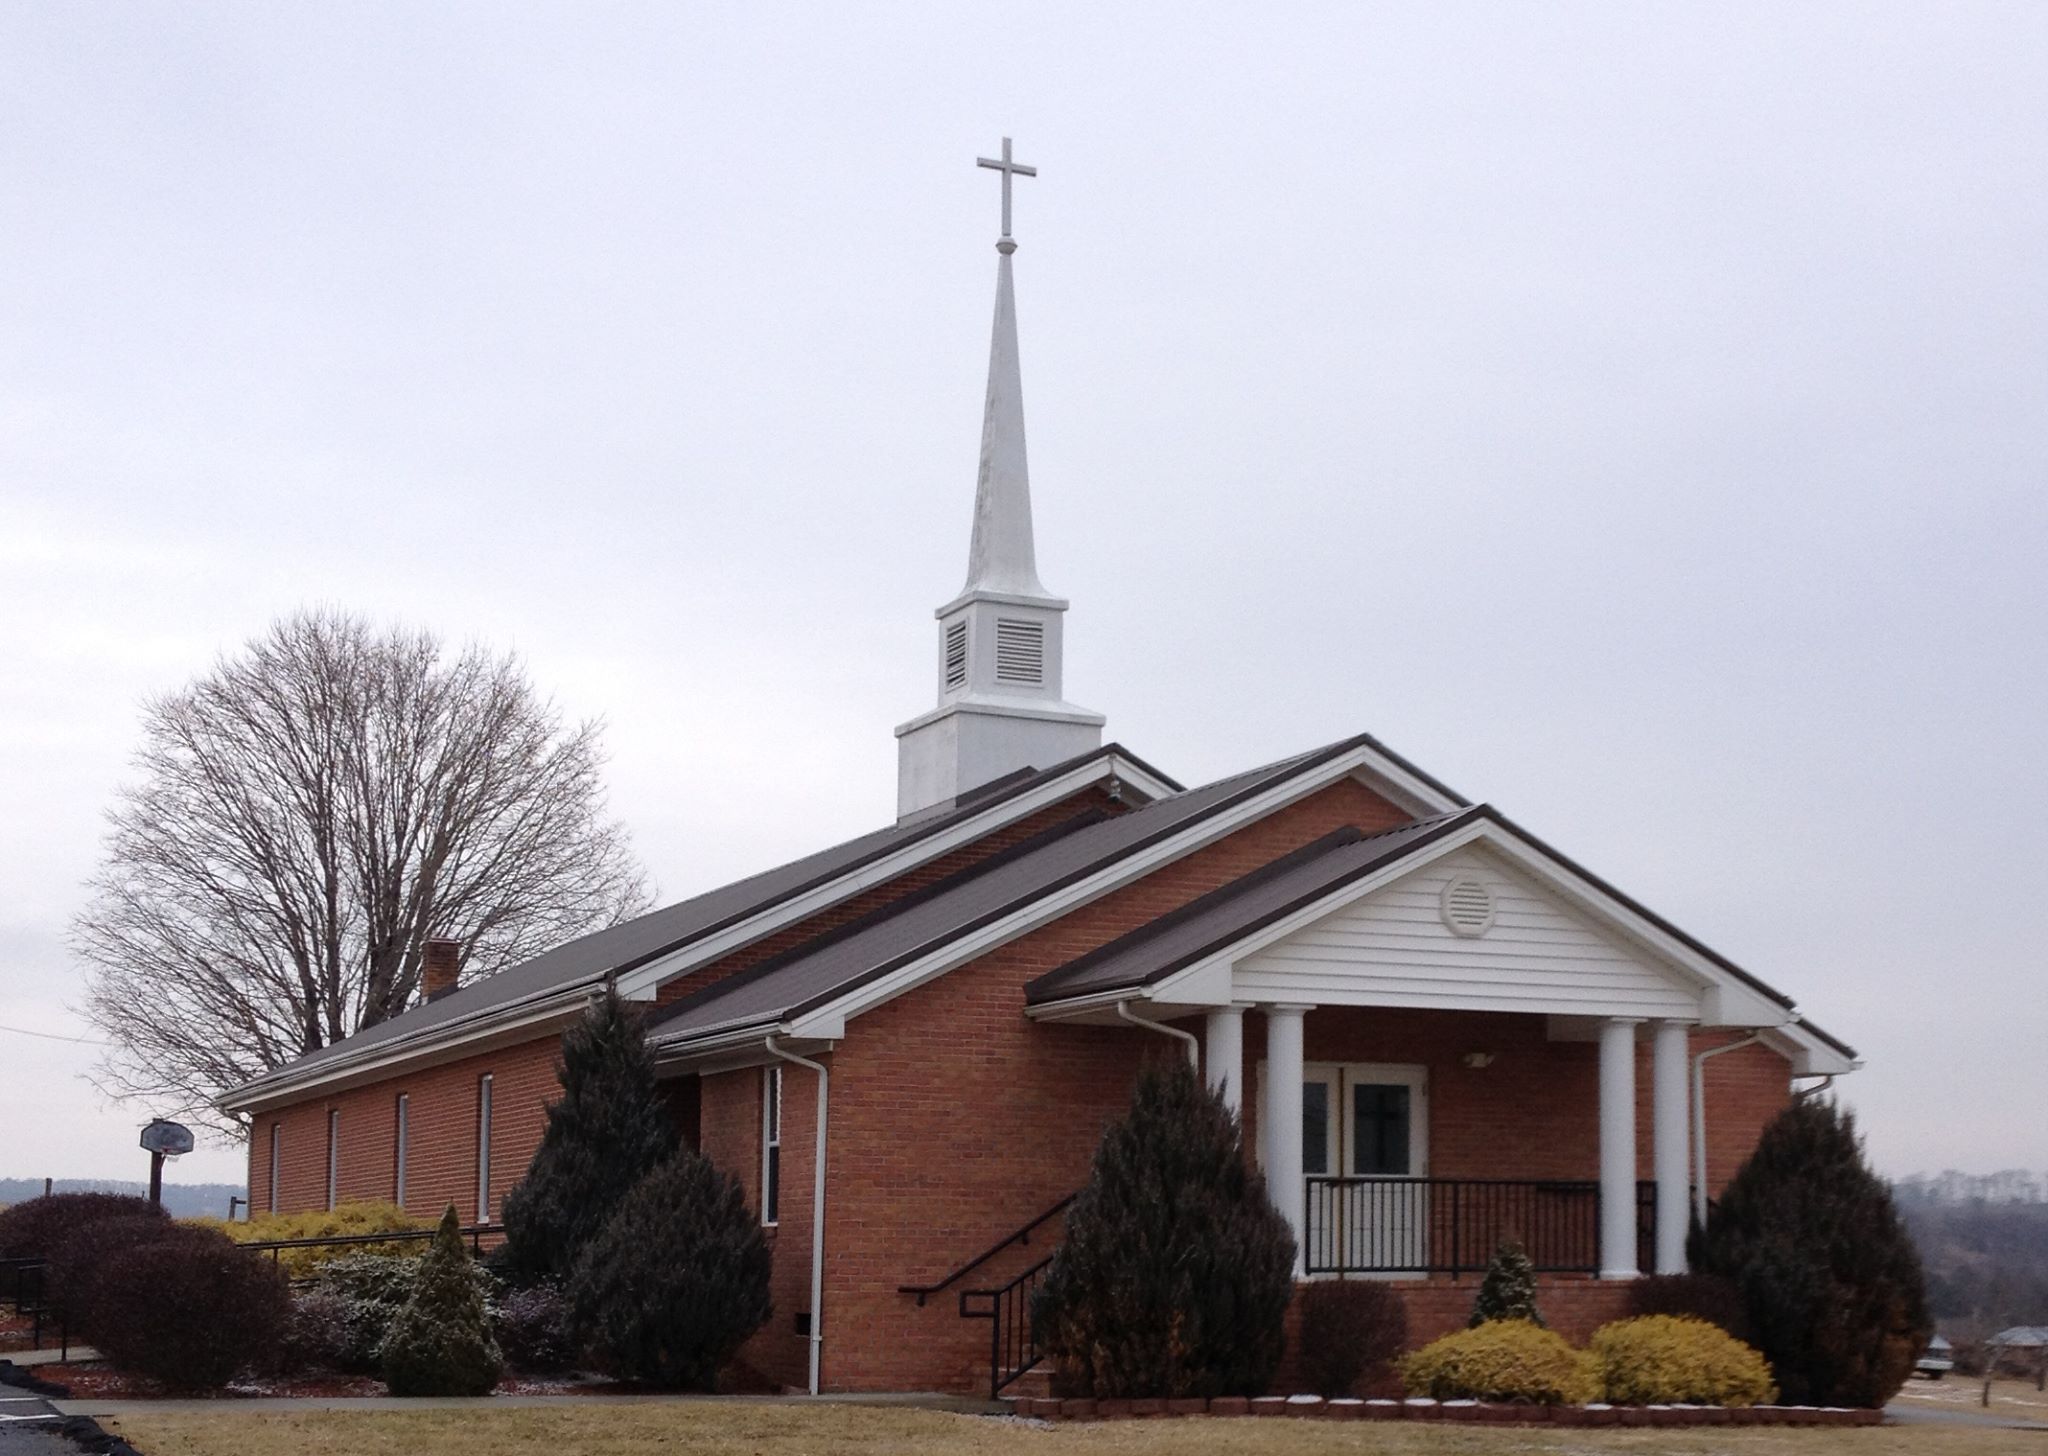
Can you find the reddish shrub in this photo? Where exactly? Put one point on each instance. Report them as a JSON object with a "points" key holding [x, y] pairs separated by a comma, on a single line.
{"points": [[76, 1260], [1349, 1329], [31, 1229], [190, 1308]]}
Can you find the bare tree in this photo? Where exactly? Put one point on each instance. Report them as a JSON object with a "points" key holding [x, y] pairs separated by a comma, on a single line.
{"points": [[308, 815]]}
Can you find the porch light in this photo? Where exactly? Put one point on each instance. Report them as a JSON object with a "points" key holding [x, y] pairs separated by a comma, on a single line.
{"points": [[1477, 1061]]}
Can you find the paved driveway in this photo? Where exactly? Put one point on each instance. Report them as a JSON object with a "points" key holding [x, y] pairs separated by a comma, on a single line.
{"points": [[26, 1423]]}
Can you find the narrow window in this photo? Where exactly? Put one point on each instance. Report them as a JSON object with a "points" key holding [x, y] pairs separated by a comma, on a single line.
{"points": [[333, 1152], [771, 1145], [483, 1148], [398, 1155], [276, 1151]]}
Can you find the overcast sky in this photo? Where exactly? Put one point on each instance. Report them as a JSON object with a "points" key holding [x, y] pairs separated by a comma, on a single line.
{"points": [[1637, 415]]}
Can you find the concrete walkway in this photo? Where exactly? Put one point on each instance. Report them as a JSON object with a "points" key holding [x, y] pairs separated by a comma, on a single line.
{"points": [[51, 1355], [1900, 1413]]}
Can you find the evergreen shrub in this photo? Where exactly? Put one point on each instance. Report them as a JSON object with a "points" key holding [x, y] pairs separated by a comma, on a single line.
{"points": [[1176, 1271], [1350, 1329], [440, 1342], [187, 1308], [1829, 1275], [608, 1130], [31, 1228], [369, 1290], [1662, 1359], [676, 1280], [1508, 1292], [1692, 1296], [533, 1329], [1503, 1360]]}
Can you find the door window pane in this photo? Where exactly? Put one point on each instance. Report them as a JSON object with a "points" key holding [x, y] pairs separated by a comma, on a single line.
{"points": [[1379, 1129], [1315, 1128]]}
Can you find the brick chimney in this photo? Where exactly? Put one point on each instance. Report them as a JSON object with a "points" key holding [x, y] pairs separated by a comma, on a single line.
{"points": [[443, 962]]}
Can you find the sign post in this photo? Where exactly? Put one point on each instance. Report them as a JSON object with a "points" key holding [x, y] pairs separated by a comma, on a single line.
{"points": [[163, 1138]]}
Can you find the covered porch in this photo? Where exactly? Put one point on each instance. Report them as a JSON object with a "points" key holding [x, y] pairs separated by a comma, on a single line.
{"points": [[1445, 1035]]}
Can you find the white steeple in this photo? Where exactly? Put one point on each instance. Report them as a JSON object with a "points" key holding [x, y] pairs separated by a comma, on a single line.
{"points": [[999, 658]]}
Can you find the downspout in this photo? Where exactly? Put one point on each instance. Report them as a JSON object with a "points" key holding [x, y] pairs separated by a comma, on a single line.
{"points": [[1123, 1009], [1699, 1121], [1826, 1081], [817, 1205]]}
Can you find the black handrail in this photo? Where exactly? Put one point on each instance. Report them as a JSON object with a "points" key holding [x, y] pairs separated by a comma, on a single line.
{"points": [[1451, 1226], [1019, 1236], [1012, 1343], [475, 1233]]}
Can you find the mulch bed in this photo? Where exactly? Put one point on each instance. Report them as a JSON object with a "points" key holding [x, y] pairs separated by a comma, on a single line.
{"points": [[1314, 1406], [98, 1381]]}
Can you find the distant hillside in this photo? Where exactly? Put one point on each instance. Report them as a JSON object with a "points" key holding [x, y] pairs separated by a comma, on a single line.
{"points": [[1984, 1241], [181, 1200]]}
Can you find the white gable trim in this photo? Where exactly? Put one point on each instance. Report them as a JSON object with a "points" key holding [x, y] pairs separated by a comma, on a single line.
{"points": [[643, 982], [1723, 999], [1362, 761], [1395, 946], [534, 1014]]}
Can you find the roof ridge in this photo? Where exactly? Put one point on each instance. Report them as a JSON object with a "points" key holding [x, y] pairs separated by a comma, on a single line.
{"points": [[1086, 819]]}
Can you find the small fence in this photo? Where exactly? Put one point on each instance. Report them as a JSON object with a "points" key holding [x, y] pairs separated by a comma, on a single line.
{"points": [[1452, 1225]]}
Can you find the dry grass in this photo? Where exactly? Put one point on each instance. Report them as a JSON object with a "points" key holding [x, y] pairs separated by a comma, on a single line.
{"points": [[766, 1429]]}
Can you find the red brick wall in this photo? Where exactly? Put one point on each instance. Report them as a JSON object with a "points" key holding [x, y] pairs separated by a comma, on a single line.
{"points": [[441, 1163], [442, 1110], [955, 1119]]}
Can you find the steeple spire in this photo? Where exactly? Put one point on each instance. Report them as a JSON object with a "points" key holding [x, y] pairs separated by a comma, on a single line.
{"points": [[1001, 557], [1000, 650]]}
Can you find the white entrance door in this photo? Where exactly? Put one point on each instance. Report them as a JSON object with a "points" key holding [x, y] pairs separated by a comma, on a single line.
{"points": [[1361, 1122], [1386, 1122]]}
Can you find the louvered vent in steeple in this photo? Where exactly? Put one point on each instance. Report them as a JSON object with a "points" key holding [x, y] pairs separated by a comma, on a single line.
{"points": [[1020, 651], [956, 656]]}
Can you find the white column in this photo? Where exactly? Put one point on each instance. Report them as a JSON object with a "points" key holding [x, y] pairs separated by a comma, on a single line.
{"points": [[1618, 1148], [1668, 1128], [1224, 1055], [1281, 1123]]}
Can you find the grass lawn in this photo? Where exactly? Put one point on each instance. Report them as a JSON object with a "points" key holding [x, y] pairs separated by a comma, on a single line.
{"points": [[765, 1429]]}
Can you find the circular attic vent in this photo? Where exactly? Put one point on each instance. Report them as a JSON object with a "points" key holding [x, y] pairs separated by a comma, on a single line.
{"points": [[1468, 906]]}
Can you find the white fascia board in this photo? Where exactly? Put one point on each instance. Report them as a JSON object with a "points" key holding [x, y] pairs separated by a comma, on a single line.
{"points": [[1110, 877], [466, 1039], [1809, 1055], [1724, 1000], [1382, 775], [643, 982], [639, 982]]}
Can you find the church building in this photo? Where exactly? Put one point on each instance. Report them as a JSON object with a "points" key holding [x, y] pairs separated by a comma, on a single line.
{"points": [[1438, 1029]]}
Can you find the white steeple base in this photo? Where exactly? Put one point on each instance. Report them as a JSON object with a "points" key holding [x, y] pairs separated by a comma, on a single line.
{"points": [[975, 739]]}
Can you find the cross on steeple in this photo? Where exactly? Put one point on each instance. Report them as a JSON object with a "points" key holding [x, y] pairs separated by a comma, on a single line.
{"points": [[1008, 168]]}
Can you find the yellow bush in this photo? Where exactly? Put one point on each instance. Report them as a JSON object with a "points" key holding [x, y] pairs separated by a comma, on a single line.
{"points": [[1662, 1359], [344, 1218], [1502, 1360]]}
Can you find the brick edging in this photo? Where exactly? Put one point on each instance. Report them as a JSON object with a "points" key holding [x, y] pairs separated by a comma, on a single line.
{"points": [[1315, 1407]]}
